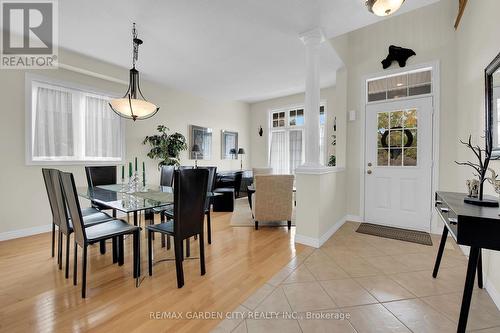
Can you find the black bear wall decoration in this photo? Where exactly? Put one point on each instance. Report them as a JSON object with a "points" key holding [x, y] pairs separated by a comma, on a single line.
{"points": [[260, 131], [399, 54]]}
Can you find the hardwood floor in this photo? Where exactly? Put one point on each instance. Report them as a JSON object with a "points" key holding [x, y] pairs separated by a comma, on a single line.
{"points": [[35, 296]]}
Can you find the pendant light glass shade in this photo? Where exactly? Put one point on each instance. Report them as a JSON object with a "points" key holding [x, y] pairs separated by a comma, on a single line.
{"points": [[134, 105], [383, 7]]}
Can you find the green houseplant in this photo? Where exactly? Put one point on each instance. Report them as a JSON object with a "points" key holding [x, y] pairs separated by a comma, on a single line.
{"points": [[165, 147]]}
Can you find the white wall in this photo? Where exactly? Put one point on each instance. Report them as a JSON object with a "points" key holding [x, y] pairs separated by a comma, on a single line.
{"points": [[429, 32], [259, 116], [23, 201], [477, 45]]}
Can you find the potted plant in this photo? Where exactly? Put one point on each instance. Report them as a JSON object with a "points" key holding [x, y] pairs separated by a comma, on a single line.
{"points": [[165, 147]]}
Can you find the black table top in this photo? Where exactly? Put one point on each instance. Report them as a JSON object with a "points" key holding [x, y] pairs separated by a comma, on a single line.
{"points": [[456, 203]]}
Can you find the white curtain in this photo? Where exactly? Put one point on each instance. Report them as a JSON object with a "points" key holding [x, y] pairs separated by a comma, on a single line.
{"points": [[53, 135], [278, 153], [102, 129], [296, 156]]}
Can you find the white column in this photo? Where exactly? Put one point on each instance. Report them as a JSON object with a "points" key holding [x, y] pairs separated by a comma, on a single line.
{"points": [[312, 40]]}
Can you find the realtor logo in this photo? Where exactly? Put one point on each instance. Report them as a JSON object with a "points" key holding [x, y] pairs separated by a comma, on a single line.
{"points": [[29, 34]]}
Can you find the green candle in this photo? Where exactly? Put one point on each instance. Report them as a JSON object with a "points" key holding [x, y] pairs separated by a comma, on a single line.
{"points": [[143, 174], [130, 169], [123, 171], [136, 164]]}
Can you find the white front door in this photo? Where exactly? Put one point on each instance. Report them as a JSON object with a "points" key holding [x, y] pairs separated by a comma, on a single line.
{"points": [[398, 170]]}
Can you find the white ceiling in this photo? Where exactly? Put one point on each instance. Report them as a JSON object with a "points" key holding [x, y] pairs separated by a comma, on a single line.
{"points": [[245, 50]]}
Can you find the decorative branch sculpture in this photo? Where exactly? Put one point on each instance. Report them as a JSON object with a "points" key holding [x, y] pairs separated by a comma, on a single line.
{"points": [[481, 167]]}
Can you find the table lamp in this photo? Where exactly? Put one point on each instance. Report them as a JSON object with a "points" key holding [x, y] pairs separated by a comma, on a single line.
{"points": [[241, 151], [196, 150]]}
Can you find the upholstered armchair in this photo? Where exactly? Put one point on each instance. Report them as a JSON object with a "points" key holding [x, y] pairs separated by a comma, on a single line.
{"points": [[273, 199], [261, 171]]}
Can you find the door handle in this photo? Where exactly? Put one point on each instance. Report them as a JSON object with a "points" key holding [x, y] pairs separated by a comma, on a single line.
{"points": [[369, 172]]}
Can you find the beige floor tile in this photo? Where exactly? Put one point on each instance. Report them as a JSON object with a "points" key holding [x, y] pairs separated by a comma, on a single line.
{"points": [[228, 325], [280, 276], [483, 312], [241, 328], [308, 296], [384, 289], [417, 261], [365, 250], [489, 330], [275, 302], [318, 256], [323, 322], [420, 317], [374, 318], [301, 274], [388, 265], [358, 267], [272, 325], [422, 283], [326, 271], [257, 297], [347, 292]]}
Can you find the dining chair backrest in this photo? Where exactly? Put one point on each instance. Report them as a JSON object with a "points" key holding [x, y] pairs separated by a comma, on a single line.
{"points": [[100, 175], [238, 176], [212, 171], [185, 167], [61, 206], [190, 193], [49, 186], [71, 196], [167, 175]]}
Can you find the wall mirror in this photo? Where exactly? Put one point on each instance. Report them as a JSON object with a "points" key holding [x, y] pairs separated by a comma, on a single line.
{"points": [[202, 138], [229, 145], [492, 81]]}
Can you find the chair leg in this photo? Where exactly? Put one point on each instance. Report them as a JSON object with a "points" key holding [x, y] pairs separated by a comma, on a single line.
{"points": [[59, 249], [256, 225], [209, 228], [150, 254], [75, 266], [53, 239], [102, 247], [137, 254], [202, 254], [289, 223], [114, 212], [188, 247], [115, 250], [168, 242], [66, 274], [121, 251], [178, 262], [84, 271]]}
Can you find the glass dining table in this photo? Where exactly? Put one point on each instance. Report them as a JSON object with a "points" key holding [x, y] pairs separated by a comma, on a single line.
{"points": [[119, 197]]}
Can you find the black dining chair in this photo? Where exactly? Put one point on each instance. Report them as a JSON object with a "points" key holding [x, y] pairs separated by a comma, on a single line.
{"points": [[231, 181], [185, 167], [60, 218], [101, 175], [169, 212], [190, 193], [166, 179], [85, 236]]}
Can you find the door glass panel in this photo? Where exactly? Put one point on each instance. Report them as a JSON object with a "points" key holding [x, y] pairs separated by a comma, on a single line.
{"points": [[383, 157], [397, 138]]}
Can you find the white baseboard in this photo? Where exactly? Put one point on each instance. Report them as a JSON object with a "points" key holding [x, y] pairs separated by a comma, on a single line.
{"points": [[354, 218], [25, 232], [317, 242], [493, 292]]}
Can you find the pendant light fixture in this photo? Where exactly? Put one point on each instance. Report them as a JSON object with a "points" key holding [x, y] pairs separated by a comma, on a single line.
{"points": [[383, 7], [134, 105]]}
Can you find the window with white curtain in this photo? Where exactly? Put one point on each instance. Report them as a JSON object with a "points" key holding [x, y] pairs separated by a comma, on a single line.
{"points": [[70, 125], [286, 151]]}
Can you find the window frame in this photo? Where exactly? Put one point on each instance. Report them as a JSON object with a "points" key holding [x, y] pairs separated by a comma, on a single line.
{"points": [[34, 79], [287, 128]]}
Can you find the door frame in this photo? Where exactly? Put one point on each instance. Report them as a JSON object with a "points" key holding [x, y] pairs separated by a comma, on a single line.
{"points": [[435, 94]]}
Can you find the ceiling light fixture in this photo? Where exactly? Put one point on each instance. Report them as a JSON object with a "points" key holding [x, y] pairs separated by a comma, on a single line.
{"points": [[383, 7], [134, 105]]}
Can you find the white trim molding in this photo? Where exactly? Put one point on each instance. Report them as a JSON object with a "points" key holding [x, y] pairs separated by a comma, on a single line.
{"points": [[25, 232], [493, 292], [317, 242]]}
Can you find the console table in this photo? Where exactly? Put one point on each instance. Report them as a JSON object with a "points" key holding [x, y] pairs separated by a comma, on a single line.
{"points": [[474, 226]]}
